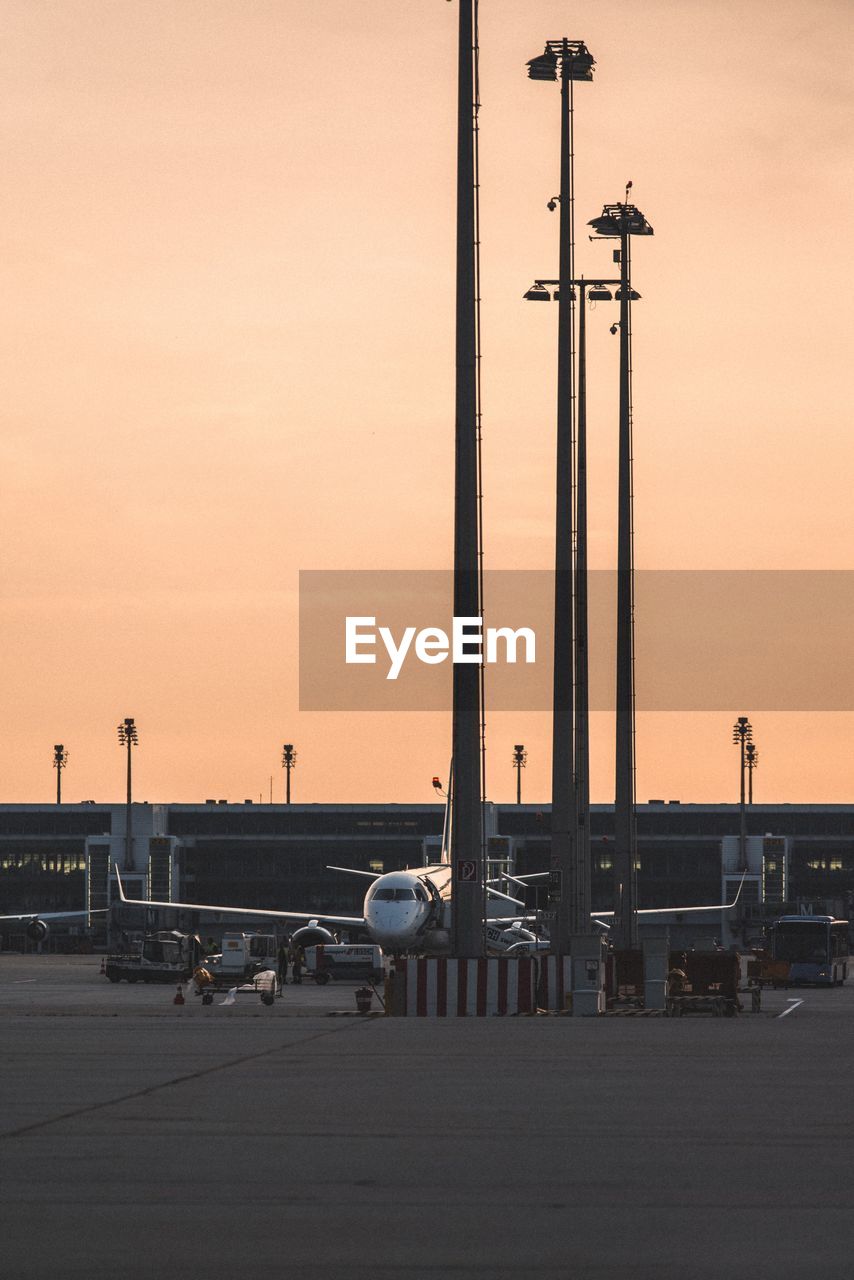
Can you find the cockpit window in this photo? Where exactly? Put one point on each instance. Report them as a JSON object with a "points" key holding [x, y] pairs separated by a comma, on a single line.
{"points": [[396, 895]]}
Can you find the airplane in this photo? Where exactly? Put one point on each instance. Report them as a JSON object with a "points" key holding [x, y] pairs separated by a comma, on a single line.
{"points": [[37, 926], [403, 910], [408, 911]]}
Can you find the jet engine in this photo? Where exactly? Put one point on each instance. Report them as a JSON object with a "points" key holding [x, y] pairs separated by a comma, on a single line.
{"points": [[37, 930], [312, 935]]}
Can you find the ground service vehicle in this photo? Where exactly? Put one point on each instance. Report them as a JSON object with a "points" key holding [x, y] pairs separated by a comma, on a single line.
{"points": [[814, 947], [242, 956], [355, 963], [167, 956]]}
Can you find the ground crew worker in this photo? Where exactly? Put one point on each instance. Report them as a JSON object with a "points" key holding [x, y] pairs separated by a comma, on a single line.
{"points": [[282, 958], [299, 958]]}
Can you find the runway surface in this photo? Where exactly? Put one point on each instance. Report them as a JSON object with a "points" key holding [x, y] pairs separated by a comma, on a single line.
{"points": [[139, 1139]]}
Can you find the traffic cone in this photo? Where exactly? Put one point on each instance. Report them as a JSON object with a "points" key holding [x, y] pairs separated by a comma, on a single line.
{"points": [[179, 995], [103, 965]]}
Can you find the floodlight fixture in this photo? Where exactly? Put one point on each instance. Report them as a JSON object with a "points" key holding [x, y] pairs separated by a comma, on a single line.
{"points": [[742, 730], [563, 60], [742, 736], [752, 760], [543, 67], [520, 759], [618, 220], [60, 760], [128, 736], [537, 293], [289, 761]]}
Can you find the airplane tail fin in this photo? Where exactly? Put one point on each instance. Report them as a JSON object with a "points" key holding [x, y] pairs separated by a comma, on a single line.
{"points": [[445, 856], [729, 905]]}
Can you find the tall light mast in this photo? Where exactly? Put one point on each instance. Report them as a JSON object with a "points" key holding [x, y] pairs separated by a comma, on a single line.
{"points": [[467, 860], [622, 221], [566, 61]]}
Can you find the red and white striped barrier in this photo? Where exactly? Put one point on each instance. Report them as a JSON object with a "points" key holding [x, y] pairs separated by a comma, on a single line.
{"points": [[440, 988], [555, 982]]}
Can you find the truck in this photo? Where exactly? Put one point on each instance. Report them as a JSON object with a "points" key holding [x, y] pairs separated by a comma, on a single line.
{"points": [[242, 956], [246, 963], [165, 956]]}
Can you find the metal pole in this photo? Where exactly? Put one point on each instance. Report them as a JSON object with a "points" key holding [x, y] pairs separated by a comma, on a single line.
{"points": [[625, 905], [59, 783], [564, 808], [129, 864], [518, 782], [742, 817], [583, 905], [287, 783], [466, 833]]}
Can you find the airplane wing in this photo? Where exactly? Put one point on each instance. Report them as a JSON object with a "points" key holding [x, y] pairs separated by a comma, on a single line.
{"points": [[255, 912], [354, 871], [643, 911], [54, 915], [669, 911], [493, 893]]}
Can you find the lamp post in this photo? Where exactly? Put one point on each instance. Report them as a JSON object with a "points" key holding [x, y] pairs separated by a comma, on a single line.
{"points": [[520, 759], [752, 761], [742, 736], [60, 760], [466, 835], [594, 291], [568, 61], [289, 762], [622, 221], [128, 738]]}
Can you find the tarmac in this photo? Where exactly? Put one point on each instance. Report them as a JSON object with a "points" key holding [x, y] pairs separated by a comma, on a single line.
{"points": [[139, 1138]]}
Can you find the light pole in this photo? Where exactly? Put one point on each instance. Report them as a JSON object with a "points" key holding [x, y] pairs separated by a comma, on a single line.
{"points": [[289, 762], [752, 761], [520, 759], [129, 738], [60, 760], [594, 291], [467, 854], [568, 61], [742, 736], [622, 221]]}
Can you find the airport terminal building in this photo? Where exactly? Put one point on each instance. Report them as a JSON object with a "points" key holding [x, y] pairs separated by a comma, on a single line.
{"points": [[59, 857]]}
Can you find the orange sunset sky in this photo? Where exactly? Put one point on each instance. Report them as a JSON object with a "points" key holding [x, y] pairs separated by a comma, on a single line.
{"points": [[228, 273]]}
